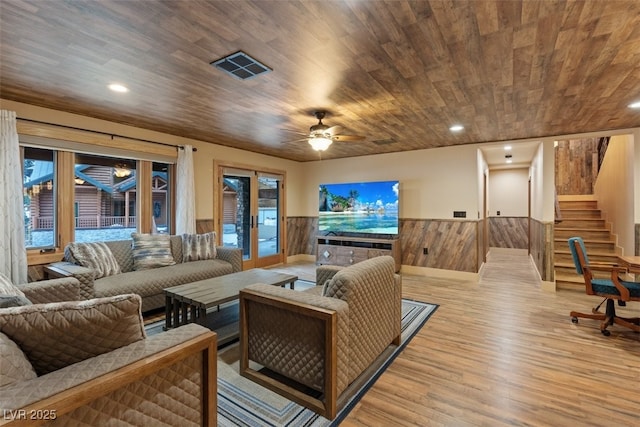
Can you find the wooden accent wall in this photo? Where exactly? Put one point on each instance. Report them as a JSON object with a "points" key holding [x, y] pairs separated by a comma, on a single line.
{"points": [[452, 245], [542, 247], [301, 233], [509, 232], [576, 166]]}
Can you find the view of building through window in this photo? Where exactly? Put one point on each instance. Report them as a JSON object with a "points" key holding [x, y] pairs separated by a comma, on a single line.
{"points": [[105, 195], [105, 198], [39, 191]]}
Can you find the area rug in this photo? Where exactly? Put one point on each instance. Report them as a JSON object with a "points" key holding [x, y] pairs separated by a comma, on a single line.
{"points": [[241, 402]]}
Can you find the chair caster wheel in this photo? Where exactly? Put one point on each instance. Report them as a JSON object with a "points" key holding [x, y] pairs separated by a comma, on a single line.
{"points": [[606, 333], [574, 320]]}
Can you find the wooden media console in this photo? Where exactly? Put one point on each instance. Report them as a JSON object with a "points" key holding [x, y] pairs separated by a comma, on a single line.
{"points": [[344, 251]]}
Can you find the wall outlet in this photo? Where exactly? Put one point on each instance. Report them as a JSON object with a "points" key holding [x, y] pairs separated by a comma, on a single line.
{"points": [[498, 212], [425, 251]]}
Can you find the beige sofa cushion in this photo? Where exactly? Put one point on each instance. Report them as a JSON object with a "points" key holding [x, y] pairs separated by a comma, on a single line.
{"points": [[59, 334], [14, 365], [96, 256]]}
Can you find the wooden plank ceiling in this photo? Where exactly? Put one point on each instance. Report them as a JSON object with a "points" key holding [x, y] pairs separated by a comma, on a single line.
{"points": [[393, 71]]}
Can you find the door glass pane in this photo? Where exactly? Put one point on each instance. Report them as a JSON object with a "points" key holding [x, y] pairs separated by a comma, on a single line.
{"points": [[236, 224], [268, 224]]}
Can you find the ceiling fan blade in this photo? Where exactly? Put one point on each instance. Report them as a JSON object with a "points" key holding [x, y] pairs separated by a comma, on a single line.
{"points": [[333, 130], [295, 140], [348, 137], [296, 132]]}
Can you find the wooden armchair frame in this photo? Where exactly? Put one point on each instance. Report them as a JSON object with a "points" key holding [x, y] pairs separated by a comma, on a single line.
{"points": [[66, 401], [327, 404]]}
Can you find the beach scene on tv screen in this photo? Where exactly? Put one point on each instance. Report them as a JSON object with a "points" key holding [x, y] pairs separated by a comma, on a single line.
{"points": [[359, 207]]}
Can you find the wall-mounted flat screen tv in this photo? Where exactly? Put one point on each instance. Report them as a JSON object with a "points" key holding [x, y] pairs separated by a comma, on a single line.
{"points": [[359, 207]]}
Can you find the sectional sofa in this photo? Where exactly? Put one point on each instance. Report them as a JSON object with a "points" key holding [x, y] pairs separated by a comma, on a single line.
{"points": [[129, 267]]}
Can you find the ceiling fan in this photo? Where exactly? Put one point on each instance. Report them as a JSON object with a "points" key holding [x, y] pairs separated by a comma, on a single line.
{"points": [[322, 136]]}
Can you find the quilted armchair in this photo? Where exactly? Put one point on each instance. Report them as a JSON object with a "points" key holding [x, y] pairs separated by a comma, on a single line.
{"points": [[90, 363], [323, 339]]}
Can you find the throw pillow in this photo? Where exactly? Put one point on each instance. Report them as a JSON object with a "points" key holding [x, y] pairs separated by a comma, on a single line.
{"points": [[59, 334], [151, 251], [96, 256], [7, 301], [15, 366], [8, 288], [198, 246]]}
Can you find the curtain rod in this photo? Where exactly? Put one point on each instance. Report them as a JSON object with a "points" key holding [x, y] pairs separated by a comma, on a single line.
{"points": [[112, 135]]}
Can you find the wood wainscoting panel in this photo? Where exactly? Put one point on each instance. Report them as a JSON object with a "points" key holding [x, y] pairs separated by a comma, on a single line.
{"points": [[482, 237], [301, 234], [452, 245], [542, 248], [509, 232], [204, 226]]}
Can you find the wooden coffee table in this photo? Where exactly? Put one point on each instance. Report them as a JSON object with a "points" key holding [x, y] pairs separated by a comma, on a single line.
{"points": [[189, 303]]}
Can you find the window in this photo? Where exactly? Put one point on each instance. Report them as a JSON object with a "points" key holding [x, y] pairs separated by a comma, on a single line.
{"points": [[105, 196], [39, 196], [81, 186], [161, 197]]}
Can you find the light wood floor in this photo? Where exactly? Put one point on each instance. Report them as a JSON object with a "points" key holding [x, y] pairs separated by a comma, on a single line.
{"points": [[501, 352]]}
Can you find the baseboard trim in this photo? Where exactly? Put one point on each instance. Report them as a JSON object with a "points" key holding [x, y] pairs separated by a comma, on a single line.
{"points": [[301, 258]]}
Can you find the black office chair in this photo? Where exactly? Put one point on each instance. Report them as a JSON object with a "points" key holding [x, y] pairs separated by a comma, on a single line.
{"points": [[611, 289]]}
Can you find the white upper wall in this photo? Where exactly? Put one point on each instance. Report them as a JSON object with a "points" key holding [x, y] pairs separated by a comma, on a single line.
{"points": [[482, 171], [433, 182], [508, 192], [542, 173]]}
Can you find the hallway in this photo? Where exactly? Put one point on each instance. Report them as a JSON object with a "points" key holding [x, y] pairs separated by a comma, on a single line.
{"points": [[512, 266]]}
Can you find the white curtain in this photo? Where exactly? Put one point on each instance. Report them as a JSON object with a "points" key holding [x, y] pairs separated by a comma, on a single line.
{"points": [[185, 192], [13, 254]]}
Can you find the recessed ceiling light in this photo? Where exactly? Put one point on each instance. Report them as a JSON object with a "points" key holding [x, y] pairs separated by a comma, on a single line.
{"points": [[456, 128], [634, 104], [118, 88], [507, 147]]}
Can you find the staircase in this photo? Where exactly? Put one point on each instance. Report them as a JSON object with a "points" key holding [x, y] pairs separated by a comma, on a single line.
{"points": [[582, 218]]}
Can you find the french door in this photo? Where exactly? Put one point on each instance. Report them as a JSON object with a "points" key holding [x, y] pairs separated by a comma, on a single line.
{"points": [[250, 214]]}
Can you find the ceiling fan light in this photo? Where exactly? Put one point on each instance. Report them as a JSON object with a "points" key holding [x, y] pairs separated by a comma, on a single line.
{"points": [[320, 143], [121, 171]]}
